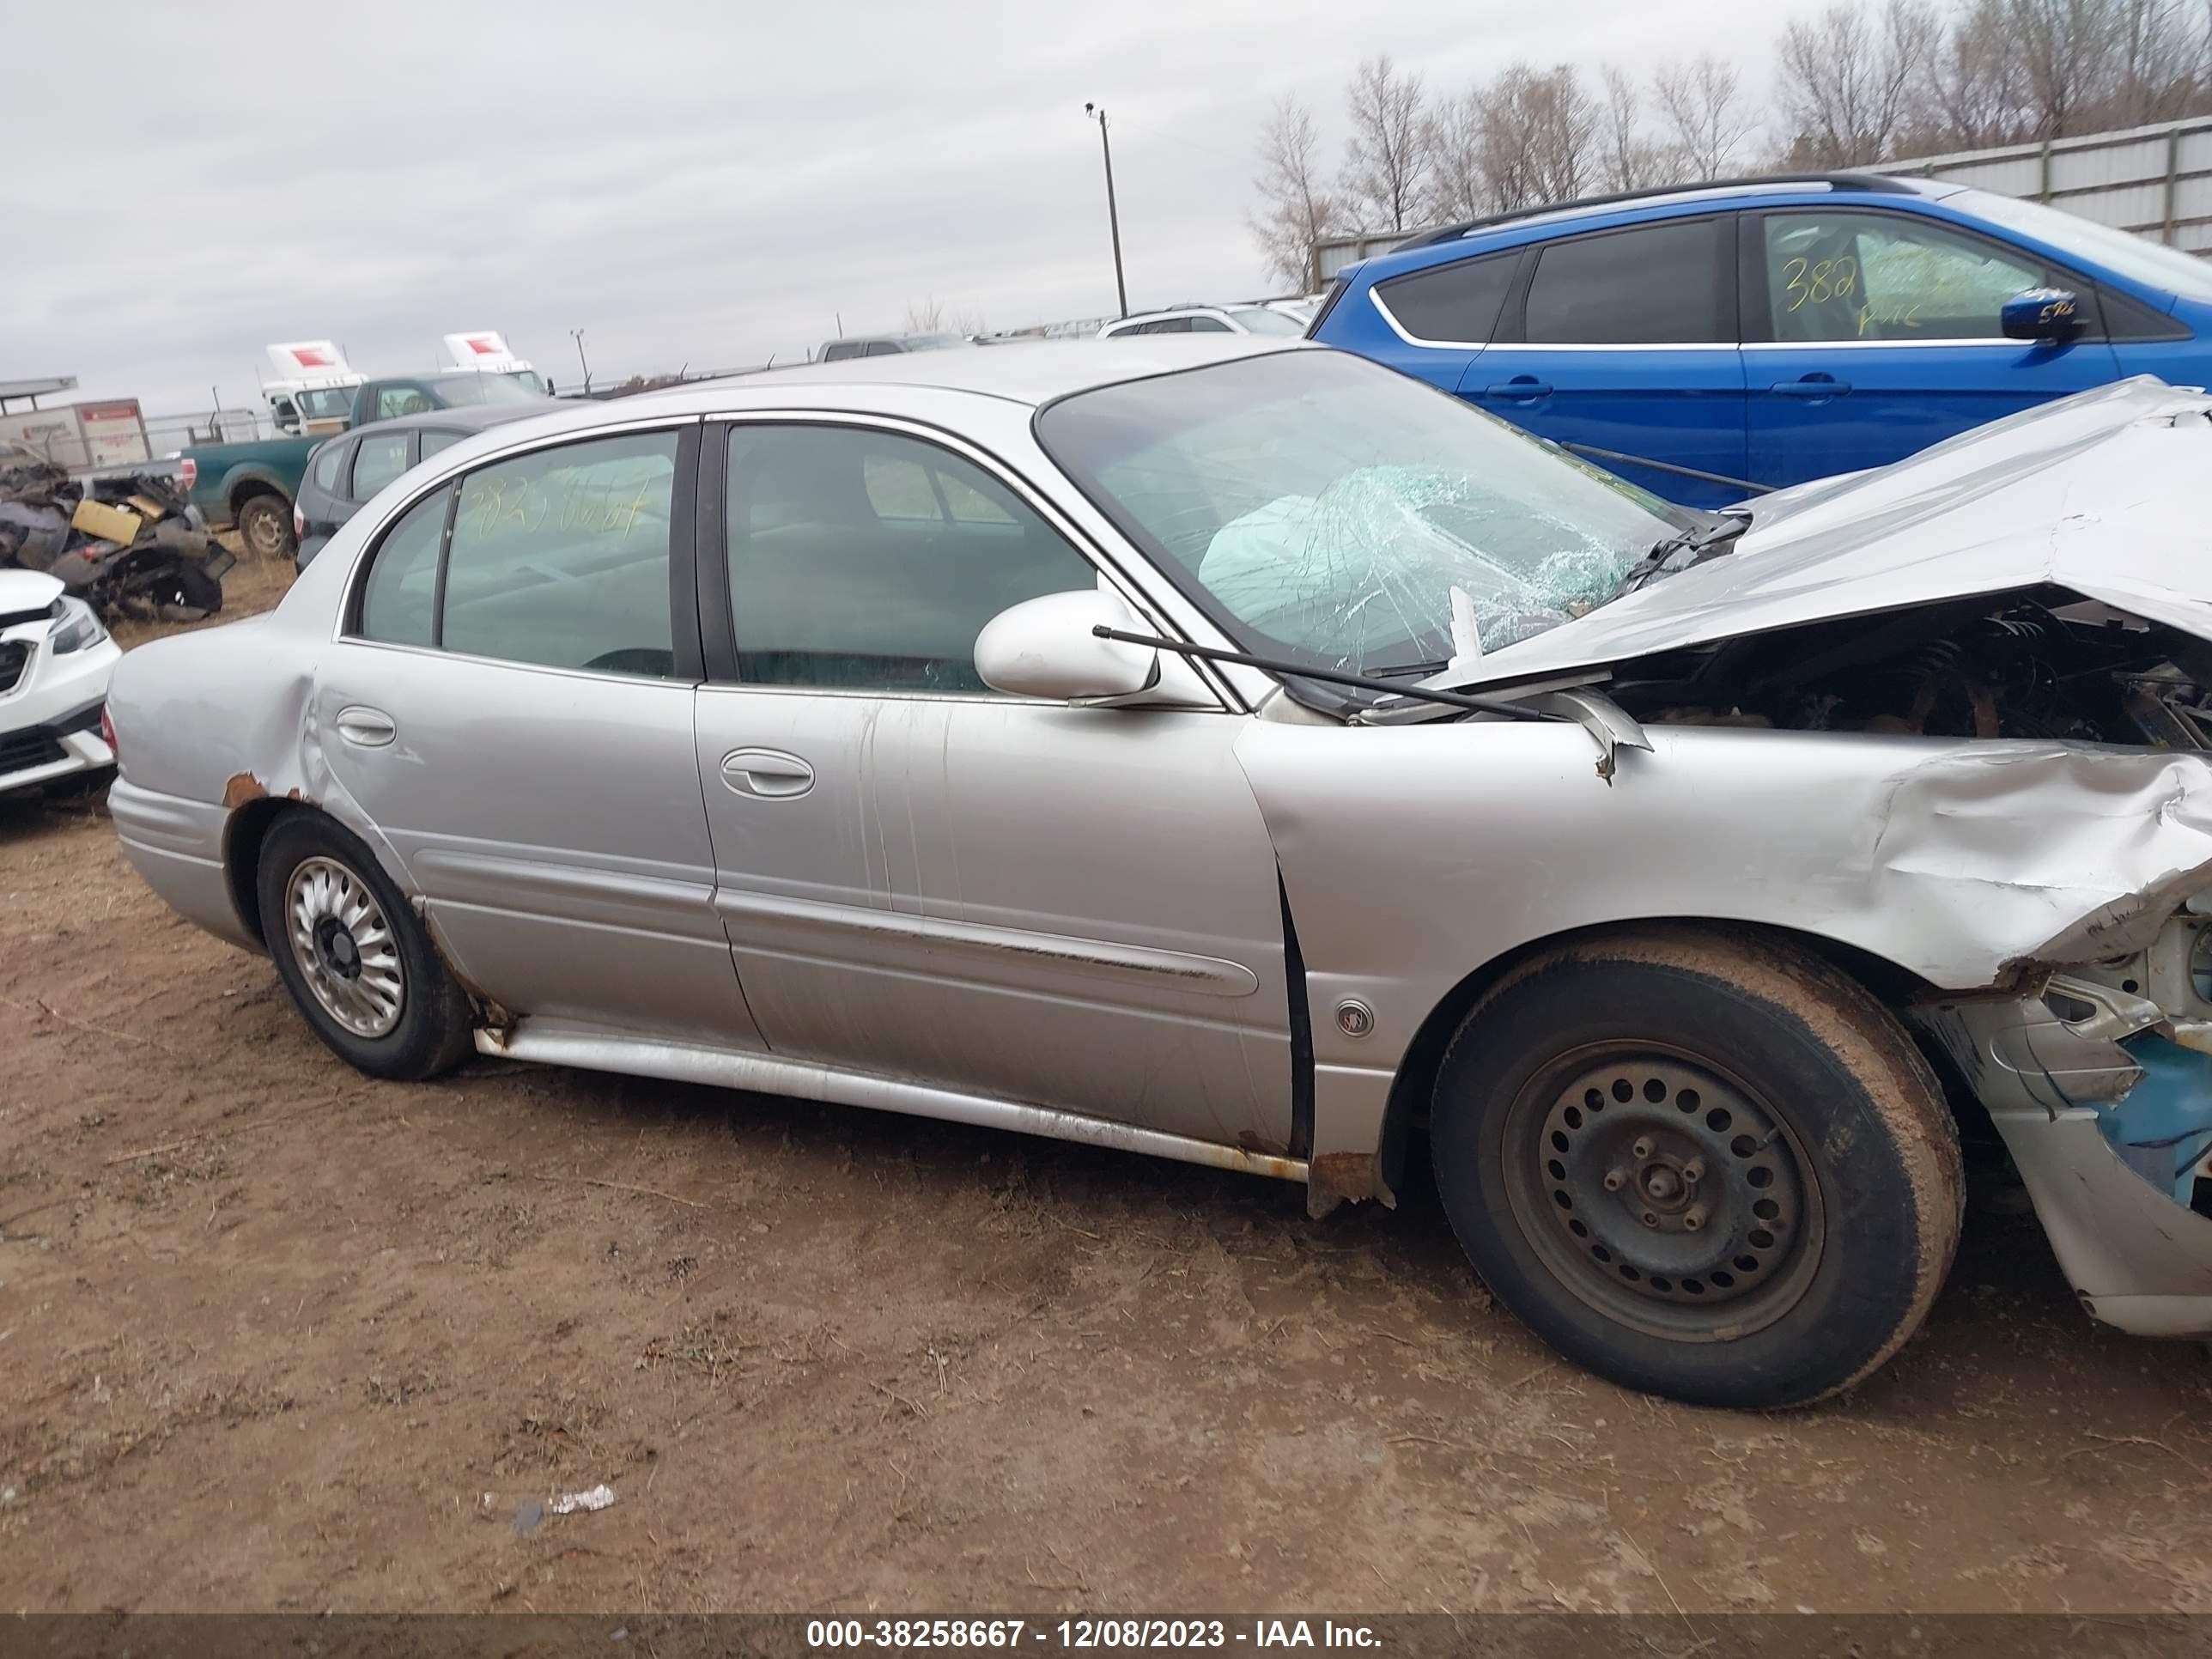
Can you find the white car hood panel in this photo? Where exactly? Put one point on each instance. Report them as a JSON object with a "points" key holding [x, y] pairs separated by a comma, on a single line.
{"points": [[2108, 492], [27, 590]]}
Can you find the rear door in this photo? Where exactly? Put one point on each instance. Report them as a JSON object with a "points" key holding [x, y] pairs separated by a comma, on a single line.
{"points": [[510, 707], [1870, 334], [1624, 341]]}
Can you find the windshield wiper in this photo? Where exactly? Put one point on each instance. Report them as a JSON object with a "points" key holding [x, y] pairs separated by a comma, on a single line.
{"points": [[1519, 711], [1703, 544]]}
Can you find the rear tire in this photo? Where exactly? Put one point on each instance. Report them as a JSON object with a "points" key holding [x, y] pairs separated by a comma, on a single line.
{"points": [[265, 524], [1702, 1164], [359, 964]]}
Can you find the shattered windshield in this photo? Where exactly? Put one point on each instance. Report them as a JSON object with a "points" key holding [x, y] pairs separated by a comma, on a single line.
{"points": [[1327, 509]]}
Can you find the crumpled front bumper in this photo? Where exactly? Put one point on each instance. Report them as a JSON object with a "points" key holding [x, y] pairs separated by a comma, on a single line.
{"points": [[2109, 1120]]}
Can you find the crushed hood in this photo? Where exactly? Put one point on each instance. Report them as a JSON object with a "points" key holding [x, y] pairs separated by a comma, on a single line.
{"points": [[2105, 493]]}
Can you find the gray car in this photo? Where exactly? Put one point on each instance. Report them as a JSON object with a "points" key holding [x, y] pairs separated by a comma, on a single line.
{"points": [[1234, 751], [347, 471]]}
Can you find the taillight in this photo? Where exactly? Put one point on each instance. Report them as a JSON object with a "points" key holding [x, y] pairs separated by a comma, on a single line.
{"points": [[107, 732], [188, 472], [299, 523]]}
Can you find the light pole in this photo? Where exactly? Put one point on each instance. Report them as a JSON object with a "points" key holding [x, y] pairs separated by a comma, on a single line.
{"points": [[577, 335], [1113, 214]]}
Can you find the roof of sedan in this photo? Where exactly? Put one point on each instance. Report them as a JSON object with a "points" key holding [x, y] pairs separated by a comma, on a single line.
{"points": [[1026, 372]]}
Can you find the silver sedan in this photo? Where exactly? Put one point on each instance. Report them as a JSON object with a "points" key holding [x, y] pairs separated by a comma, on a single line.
{"points": [[1237, 752]]}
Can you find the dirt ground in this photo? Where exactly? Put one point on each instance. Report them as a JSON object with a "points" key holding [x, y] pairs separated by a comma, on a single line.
{"points": [[275, 1336]]}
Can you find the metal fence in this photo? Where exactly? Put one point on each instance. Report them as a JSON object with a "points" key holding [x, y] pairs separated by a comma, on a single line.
{"points": [[2153, 181]]}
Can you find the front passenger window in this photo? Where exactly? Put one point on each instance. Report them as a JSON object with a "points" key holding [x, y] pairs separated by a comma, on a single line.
{"points": [[1881, 276], [866, 560]]}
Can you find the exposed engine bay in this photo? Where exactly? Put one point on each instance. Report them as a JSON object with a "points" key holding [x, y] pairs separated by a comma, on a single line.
{"points": [[2045, 663]]}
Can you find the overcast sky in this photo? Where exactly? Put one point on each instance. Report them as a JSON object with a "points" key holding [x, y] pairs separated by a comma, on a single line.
{"points": [[691, 183]]}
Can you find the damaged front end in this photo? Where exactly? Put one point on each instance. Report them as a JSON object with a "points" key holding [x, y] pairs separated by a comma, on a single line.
{"points": [[2101, 1085]]}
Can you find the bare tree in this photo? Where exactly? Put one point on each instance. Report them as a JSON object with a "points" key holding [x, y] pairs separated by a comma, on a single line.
{"points": [[1455, 185], [924, 316], [1698, 104], [1295, 210], [1547, 124], [1970, 93], [1846, 78], [1385, 158], [1627, 160]]}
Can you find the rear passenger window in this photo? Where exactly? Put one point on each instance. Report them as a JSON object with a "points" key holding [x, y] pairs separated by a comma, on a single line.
{"points": [[560, 557], [398, 604], [1654, 284], [1456, 303], [870, 560], [379, 458]]}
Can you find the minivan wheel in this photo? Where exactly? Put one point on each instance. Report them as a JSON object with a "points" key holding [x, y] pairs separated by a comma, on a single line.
{"points": [[357, 963], [1705, 1165]]}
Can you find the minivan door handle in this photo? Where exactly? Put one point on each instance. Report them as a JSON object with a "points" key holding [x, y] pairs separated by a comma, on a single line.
{"points": [[1521, 388], [371, 728], [766, 774], [1812, 385]]}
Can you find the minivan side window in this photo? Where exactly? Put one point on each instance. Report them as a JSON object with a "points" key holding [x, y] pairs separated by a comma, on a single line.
{"points": [[561, 557], [1652, 284], [867, 559], [1841, 275], [1457, 303]]}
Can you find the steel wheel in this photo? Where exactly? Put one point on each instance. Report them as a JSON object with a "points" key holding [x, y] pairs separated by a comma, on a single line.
{"points": [[1664, 1192], [345, 947]]}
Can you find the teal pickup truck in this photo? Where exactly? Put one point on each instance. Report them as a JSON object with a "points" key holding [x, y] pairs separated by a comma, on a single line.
{"points": [[253, 485]]}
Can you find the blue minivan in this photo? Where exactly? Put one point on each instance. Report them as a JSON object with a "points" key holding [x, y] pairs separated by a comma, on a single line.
{"points": [[1702, 341]]}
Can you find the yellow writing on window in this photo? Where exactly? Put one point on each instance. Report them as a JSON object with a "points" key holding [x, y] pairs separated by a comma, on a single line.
{"points": [[568, 503], [1817, 281]]}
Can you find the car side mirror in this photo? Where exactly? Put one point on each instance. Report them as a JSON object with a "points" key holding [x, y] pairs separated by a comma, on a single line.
{"points": [[1044, 647], [2041, 313]]}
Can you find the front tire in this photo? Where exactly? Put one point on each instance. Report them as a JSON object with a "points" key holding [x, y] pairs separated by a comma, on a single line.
{"points": [[357, 963], [1704, 1166]]}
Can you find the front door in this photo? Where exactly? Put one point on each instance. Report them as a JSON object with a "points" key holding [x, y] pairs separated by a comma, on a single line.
{"points": [[925, 879], [512, 710], [1622, 344], [1872, 334]]}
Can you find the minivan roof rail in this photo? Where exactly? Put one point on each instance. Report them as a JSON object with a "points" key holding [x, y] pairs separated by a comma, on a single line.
{"points": [[1872, 181]]}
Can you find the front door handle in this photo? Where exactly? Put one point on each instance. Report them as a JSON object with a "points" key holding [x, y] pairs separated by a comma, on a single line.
{"points": [[371, 728], [1812, 385], [1521, 388], [766, 774]]}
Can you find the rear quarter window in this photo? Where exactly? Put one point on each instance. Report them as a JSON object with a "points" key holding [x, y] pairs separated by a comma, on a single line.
{"points": [[1458, 302]]}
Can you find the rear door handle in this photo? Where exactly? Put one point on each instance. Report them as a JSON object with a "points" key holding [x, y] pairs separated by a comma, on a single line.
{"points": [[1812, 385], [766, 774], [372, 728], [1521, 388]]}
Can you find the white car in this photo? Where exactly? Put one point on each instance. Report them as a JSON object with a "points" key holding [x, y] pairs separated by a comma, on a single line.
{"points": [[1206, 320], [54, 662]]}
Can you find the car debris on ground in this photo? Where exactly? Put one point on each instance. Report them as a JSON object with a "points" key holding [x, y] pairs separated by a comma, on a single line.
{"points": [[127, 543]]}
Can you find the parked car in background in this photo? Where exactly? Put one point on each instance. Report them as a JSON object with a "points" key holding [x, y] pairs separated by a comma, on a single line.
{"points": [[1768, 332], [1199, 850], [254, 485], [1258, 317], [54, 662], [888, 345], [347, 471]]}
